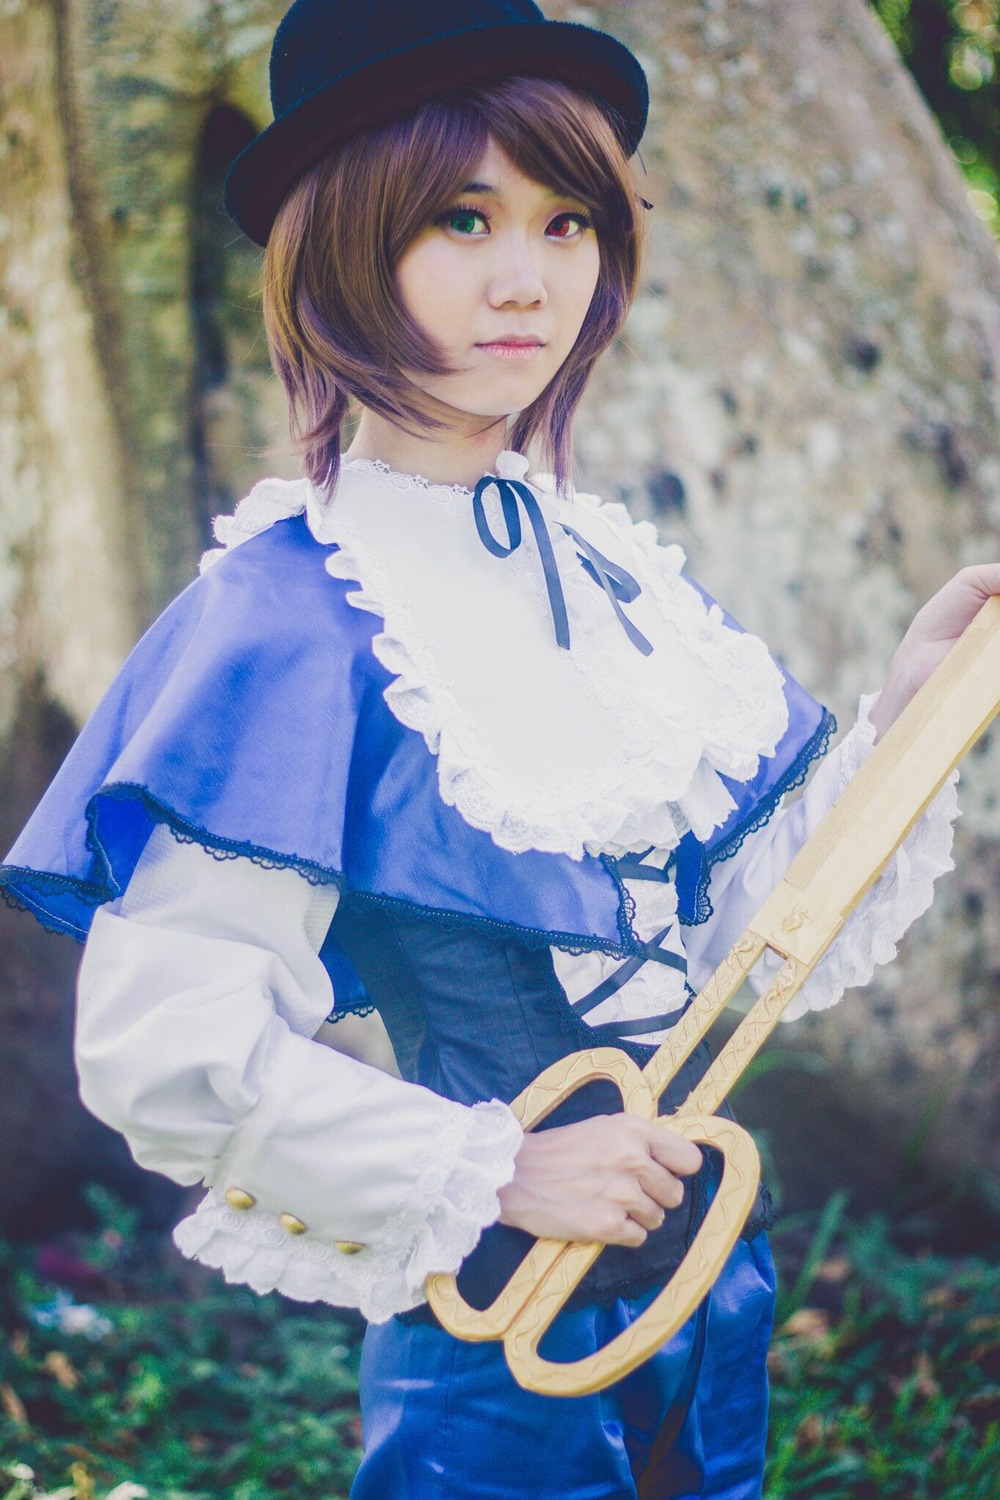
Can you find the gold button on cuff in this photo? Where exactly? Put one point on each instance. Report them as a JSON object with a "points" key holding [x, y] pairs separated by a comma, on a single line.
{"points": [[240, 1198], [291, 1224], [348, 1247]]}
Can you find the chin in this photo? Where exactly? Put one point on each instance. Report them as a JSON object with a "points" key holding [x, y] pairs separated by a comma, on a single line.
{"points": [[495, 405]]}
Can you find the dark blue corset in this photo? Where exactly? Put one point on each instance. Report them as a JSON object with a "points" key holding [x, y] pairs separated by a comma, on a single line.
{"points": [[475, 1017]]}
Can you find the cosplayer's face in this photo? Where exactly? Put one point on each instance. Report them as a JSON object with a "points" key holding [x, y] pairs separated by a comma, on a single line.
{"points": [[502, 283]]}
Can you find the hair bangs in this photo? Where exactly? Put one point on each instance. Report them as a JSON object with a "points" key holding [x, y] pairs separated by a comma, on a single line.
{"points": [[336, 326], [562, 139]]}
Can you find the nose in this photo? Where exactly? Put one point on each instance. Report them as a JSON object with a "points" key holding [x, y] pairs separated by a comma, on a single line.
{"points": [[516, 278]]}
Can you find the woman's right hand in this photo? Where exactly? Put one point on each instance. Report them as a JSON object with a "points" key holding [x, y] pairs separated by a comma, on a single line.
{"points": [[610, 1178]]}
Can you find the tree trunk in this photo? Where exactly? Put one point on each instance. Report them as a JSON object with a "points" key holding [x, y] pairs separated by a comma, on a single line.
{"points": [[67, 596], [105, 109], [805, 397]]}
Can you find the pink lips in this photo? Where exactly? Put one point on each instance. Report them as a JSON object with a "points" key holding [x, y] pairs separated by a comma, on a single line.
{"points": [[513, 347]]}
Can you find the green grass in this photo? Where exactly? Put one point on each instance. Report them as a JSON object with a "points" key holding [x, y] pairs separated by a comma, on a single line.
{"points": [[885, 1376], [196, 1389]]}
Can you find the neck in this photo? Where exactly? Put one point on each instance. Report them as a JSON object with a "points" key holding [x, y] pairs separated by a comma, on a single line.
{"points": [[445, 456]]}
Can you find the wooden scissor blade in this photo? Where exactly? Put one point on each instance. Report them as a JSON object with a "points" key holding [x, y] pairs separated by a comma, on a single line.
{"points": [[859, 835], [830, 874], [855, 841]]}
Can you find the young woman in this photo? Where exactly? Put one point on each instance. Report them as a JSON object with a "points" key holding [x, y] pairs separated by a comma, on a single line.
{"points": [[431, 736]]}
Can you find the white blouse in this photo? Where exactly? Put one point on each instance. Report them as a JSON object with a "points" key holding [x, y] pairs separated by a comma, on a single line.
{"points": [[201, 990]]}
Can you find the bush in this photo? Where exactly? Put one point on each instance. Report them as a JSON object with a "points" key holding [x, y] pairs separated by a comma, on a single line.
{"points": [[886, 1376], [127, 1373], [167, 1378]]}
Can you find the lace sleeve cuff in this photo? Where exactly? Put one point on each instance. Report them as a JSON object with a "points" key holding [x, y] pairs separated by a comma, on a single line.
{"points": [[902, 894], [454, 1198]]}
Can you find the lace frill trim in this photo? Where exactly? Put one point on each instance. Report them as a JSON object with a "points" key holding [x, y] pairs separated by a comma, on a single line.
{"points": [[187, 832], [665, 784], [758, 715], [455, 1197], [269, 501], [902, 894]]}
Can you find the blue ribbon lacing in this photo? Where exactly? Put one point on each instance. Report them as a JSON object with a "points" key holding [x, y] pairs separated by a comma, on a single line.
{"points": [[632, 868], [617, 583]]}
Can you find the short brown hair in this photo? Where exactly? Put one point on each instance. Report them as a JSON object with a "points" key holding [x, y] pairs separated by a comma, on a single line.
{"points": [[335, 324]]}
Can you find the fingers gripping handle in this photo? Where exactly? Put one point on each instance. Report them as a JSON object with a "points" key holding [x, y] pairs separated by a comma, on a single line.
{"points": [[552, 1270], [533, 1105], [718, 1234]]}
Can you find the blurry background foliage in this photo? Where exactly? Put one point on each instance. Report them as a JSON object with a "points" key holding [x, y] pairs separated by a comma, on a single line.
{"points": [[951, 47], [127, 1374]]}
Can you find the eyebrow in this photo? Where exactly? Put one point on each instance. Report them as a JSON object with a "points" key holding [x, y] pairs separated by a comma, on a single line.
{"points": [[488, 188]]}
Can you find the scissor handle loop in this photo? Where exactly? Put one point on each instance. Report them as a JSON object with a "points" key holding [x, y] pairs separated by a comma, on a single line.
{"points": [[556, 1083], [716, 1237], [560, 1080]]}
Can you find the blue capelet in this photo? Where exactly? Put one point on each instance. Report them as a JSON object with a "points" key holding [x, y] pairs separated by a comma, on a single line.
{"points": [[251, 719]]}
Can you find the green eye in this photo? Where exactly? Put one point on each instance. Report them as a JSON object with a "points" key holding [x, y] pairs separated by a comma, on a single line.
{"points": [[464, 221]]}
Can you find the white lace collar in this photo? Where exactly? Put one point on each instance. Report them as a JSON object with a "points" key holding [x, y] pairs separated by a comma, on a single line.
{"points": [[598, 749]]}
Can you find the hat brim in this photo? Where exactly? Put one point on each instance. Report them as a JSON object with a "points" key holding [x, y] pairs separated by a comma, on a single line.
{"points": [[263, 173]]}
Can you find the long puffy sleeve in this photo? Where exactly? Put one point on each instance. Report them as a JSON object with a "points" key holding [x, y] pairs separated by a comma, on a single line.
{"points": [[200, 993], [739, 885]]}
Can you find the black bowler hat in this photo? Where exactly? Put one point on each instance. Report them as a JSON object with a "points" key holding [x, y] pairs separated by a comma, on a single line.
{"points": [[339, 67]]}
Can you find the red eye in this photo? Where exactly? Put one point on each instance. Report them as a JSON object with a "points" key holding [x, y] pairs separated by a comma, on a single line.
{"points": [[568, 226]]}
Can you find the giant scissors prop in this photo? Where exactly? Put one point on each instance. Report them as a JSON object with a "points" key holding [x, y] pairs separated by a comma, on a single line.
{"points": [[828, 877]]}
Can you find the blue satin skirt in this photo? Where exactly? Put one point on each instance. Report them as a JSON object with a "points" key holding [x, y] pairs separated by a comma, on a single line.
{"points": [[444, 1420]]}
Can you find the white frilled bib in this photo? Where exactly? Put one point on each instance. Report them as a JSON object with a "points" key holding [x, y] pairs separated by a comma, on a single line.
{"points": [[598, 749]]}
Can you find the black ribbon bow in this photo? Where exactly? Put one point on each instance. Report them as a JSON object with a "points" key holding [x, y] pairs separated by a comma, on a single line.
{"points": [[616, 581]]}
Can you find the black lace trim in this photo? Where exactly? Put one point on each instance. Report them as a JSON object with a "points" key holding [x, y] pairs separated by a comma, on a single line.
{"points": [[763, 811], [18, 902], [626, 910], [187, 832], [347, 1008], [96, 893], [105, 888]]}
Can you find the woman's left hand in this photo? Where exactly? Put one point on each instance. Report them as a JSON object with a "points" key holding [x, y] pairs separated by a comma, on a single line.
{"points": [[935, 629]]}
